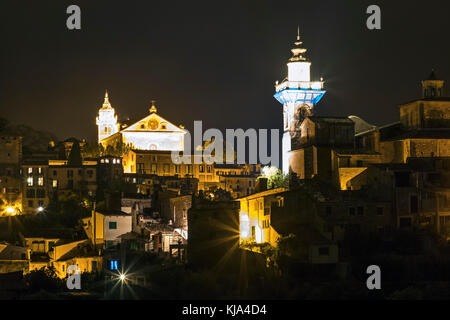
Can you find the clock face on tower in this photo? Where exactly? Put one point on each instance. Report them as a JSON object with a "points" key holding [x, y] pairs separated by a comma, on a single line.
{"points": [[153, 124]]}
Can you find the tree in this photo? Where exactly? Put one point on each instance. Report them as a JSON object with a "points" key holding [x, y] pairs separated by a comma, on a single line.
{"points": [[275, 177], [75, 159], [43, 279]]}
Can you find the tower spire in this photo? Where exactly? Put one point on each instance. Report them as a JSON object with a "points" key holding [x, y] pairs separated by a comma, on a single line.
{"points": [[106, 103], [297, 50]]}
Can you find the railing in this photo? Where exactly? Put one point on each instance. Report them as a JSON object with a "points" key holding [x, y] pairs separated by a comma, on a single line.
{"points": [[306, 85]]}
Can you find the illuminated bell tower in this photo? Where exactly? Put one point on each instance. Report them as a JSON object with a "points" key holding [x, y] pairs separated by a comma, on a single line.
{"points": [[107, 120], [298, 95]]}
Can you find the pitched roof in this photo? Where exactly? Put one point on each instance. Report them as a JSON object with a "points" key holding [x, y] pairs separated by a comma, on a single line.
{"points": [[155, 117], [361, 125], [440, 133], [340, 120], [113, 213]]}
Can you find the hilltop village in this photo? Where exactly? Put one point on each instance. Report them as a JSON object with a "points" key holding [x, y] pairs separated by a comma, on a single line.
{"points": [[349, 194]]}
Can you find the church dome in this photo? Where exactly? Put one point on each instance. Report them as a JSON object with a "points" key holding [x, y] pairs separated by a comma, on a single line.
{"points": [[361, 125]]}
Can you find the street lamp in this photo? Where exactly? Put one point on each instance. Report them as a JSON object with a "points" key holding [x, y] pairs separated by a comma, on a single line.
{"points": [[11, 210]]}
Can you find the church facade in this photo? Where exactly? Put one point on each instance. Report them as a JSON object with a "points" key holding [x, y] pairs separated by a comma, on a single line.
{"points": [[153, 132]]}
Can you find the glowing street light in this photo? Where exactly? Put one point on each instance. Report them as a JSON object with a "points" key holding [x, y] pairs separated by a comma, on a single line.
{"points": [[40, 209], [122, 277], [11, 210]]}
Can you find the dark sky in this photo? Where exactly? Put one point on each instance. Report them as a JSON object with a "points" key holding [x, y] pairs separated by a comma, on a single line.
{"points": [[215, 61]]}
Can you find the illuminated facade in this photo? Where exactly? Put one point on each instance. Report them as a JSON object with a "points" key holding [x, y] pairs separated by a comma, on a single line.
{"points": [[255, 217], [298, 95], [150, 133], [107, 120], [239, 180]]}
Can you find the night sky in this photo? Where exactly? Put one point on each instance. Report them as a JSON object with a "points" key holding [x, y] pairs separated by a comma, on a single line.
{"points": [[215, 61]]}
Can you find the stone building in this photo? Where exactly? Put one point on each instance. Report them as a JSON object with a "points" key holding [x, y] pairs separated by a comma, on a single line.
{"points": [[36, 185], [10, 179]]}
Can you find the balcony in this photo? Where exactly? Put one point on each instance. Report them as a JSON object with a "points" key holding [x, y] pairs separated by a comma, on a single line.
{"points": [[303, 85], [299, 91]]}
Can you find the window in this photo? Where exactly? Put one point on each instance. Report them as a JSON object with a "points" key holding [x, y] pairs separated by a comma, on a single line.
{"points": [[54, 173], [253, 232], [201, 168], [40, 193], [112, 225], [114, 265], [41, 181], [380, 211], [324, 251], [69, 173], [154, 168], [209, 169], [414, 204], [189, 168], [55, 183], [166, 168], [360, 211], [31, 193], [30, 181], [30, 170], [351, 211], [30, 203], [177, 168]]}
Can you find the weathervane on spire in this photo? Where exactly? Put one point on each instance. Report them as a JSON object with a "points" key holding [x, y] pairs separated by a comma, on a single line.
{"points": [[153, 108], [106, 103], [298, 51]]}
